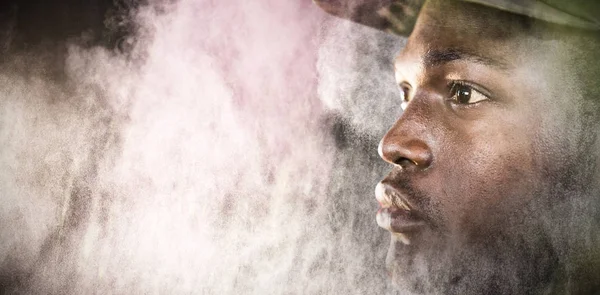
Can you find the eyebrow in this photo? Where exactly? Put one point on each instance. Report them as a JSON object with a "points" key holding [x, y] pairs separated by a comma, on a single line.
{"points": [[440, 57]]}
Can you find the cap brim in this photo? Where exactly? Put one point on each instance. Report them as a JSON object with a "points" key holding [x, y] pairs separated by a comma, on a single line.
{"points": [[399, 16], [393, 16]]}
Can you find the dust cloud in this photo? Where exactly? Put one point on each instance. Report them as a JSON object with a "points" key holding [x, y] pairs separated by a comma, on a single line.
{"points": [[220, 148]]}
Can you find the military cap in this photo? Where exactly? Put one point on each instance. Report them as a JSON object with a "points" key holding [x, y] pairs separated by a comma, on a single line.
{"points": [[399, 16]]}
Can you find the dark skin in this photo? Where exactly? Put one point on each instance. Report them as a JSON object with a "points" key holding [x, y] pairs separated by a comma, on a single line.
{"points": [[495, 156]]}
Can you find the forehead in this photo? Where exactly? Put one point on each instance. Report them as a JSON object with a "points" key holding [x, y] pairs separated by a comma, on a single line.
{"points": [[488, 33]]}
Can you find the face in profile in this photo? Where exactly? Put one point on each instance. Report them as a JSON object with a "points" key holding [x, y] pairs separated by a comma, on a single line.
{"points": [[494, 185]]}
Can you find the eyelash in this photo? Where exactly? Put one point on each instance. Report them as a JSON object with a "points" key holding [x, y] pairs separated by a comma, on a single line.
{"points": [[454, 83]]}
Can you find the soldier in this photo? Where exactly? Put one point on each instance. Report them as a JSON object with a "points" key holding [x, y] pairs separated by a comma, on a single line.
{"points": [[495, 181]]}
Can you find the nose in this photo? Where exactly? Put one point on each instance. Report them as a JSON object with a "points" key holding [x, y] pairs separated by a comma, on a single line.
{"points": [[405, 145]]}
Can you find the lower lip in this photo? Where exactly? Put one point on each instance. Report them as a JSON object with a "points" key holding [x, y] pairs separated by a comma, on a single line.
{"points": [[398, 220]]}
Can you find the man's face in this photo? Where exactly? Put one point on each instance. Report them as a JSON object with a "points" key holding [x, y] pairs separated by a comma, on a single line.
{"points": [[487, 155]]}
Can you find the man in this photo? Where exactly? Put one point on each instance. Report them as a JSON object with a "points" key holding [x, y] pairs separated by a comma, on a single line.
{"points": [[495, 184]]}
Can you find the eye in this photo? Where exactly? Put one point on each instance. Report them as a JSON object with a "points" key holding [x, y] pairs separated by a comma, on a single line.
{"points": [[405, 90], [462, 93]]}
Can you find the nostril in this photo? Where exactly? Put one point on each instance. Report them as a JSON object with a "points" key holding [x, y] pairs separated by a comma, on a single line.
{"points": [[406, 163], [405, 153]]}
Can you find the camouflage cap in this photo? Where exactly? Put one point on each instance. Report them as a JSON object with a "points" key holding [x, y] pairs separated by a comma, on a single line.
{"points": [[399, 16]]}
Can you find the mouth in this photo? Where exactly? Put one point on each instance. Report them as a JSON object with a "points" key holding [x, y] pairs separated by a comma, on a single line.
{"points": [[396, 214]]}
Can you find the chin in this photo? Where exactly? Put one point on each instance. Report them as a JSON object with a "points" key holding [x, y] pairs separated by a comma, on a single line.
{"points": [[502, 264]]}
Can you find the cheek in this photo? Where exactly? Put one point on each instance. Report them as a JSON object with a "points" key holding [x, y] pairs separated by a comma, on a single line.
{"points": [[490, 177]]}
